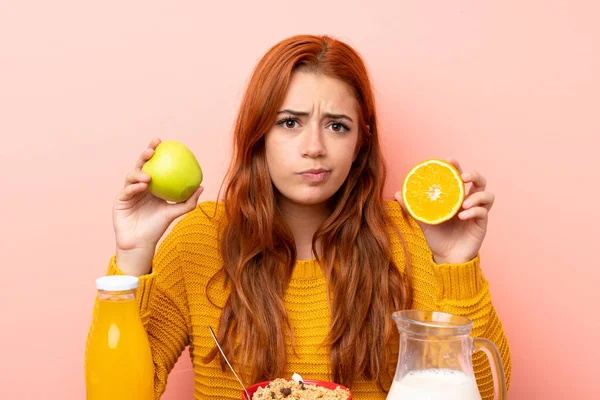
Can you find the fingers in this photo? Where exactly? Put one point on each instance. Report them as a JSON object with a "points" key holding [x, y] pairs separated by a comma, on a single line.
{"points": [[455, 164], [178, 209], [479, 199], [147, 154], [131, 190], [135, 182], [478, 202], [479, 182], [479, 213], [477, 206], [135, 177]]}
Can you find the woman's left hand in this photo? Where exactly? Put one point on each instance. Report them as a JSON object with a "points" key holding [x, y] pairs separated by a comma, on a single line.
{"points": [[459, 239]]}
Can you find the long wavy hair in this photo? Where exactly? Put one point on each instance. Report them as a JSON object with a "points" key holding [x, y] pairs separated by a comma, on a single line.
{"points": [[256, 245]]}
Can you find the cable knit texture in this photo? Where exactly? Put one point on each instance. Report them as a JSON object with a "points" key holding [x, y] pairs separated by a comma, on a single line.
{"points": [[175, 308]]}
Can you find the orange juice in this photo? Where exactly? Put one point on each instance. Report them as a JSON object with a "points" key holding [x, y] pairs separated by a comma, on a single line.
{"points": [[119, 361]]}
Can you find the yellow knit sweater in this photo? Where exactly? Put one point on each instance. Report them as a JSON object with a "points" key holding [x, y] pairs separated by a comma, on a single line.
{"points": [[176, 312]]}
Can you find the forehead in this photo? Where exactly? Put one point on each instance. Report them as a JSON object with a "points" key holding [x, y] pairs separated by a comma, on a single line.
{"points": [[308, 90]]}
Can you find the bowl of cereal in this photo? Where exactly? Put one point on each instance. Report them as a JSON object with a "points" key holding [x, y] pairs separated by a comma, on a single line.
{"points": [[291, 389]]}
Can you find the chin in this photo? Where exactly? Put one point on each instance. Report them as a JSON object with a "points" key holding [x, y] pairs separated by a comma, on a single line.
{"points": [[310, 198]]}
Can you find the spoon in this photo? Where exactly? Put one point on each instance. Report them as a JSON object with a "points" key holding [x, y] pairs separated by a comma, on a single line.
{"points": [[227, 361]]}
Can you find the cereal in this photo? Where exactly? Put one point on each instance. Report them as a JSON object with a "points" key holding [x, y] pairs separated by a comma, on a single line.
{"points": [[292, 390]]}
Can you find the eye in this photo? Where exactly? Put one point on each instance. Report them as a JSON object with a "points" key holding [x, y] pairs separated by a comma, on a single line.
{"points": [[288, 123], [339, 127]]}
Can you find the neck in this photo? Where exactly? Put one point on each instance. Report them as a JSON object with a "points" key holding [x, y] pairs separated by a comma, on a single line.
{"points": [[303, 221]]}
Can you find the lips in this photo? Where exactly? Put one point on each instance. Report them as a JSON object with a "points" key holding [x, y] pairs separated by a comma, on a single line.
{"points": [[315, 175]]}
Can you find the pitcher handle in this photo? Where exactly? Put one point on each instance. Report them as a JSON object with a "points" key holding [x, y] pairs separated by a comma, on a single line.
{"points": [[491, 351]]}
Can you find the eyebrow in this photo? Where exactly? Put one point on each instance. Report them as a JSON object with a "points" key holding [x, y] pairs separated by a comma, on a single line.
{"points": [[304, 114]]}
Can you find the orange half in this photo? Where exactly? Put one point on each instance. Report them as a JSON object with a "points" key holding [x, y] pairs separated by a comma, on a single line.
{"points": [[433, 192]]}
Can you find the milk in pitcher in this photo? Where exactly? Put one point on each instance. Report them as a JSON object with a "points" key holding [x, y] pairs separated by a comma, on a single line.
{"points": [[435, 384]]}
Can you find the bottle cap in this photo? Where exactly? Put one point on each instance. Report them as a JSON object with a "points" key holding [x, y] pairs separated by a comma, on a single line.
{"points": [[117, 283]]}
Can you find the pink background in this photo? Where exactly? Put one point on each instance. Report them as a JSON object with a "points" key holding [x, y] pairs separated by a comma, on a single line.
{"points": [[511, 88]]}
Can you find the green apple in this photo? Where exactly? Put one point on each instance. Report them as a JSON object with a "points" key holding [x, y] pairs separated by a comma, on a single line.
{"points": [[174, 171]]}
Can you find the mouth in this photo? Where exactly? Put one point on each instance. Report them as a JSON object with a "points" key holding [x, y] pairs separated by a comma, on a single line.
{"points": [[315, 175]]}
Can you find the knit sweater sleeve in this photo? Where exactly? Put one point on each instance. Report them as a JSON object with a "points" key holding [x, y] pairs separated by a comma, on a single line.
{"points": [[459, 289], [463, 290], [163, 308]]}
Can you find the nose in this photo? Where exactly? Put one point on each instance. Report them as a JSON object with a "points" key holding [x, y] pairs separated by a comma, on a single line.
{"points": [[313, 145]]}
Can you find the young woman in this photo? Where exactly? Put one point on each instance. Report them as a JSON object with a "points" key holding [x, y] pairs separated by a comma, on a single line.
{"points": [[302, 263]]}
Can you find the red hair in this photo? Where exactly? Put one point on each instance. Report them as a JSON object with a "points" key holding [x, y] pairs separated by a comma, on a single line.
{"points": [[257, 246]]}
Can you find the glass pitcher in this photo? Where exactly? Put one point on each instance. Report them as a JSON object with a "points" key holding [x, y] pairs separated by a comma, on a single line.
{"points": [[435, 362]]}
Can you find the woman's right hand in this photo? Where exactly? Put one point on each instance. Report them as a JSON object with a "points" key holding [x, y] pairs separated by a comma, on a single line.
{"points": [[140, 219]]}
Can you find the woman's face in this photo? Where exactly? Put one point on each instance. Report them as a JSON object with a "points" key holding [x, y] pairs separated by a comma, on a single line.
{"points": [[311, 146]]}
